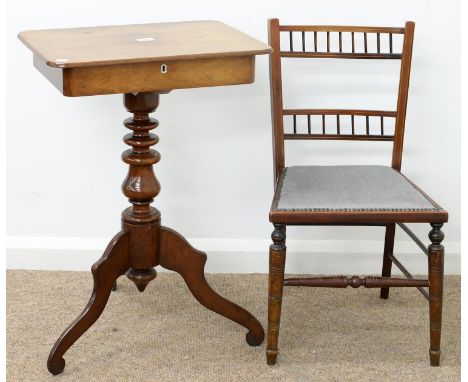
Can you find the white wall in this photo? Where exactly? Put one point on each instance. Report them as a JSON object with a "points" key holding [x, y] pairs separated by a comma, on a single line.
{"points": [[64, 169]]}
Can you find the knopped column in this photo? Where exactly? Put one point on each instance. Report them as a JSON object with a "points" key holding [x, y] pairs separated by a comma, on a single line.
{"points": [[140, 186]]}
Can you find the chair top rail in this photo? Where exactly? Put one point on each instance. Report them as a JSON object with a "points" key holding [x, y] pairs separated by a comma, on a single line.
{"points": [[370, 113], [339, 28]]}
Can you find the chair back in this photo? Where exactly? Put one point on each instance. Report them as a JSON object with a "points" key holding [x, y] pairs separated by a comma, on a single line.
{"points": [[309, 48]]}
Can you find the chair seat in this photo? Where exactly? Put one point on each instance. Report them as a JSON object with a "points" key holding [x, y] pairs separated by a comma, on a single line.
{"points": [[308, 193]]}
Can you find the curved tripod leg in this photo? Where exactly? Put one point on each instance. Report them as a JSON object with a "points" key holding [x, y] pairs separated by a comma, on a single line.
{"points": [[179, 256], [113, 263]]}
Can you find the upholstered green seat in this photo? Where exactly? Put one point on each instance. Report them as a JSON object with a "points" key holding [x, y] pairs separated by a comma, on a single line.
{"points": [[348, 188]]}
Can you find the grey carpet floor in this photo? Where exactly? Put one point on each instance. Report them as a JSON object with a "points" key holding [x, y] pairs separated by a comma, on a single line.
{"points": [[163, 334]]}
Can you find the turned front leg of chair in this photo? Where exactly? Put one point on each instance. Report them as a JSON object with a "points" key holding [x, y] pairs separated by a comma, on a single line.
{"points": [[275, 290], [436, 277]]}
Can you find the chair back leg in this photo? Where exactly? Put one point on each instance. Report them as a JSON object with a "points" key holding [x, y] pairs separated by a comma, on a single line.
{"points": [[275, 290], [388, 251]]}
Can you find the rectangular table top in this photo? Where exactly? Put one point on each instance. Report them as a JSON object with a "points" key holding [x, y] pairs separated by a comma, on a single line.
{"points": [[140, 43]]}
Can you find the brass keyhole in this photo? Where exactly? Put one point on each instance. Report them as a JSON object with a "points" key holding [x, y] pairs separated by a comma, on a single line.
{"points": [[163, 68]]}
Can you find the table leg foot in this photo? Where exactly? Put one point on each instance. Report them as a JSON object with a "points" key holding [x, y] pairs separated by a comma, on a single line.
{"points": [[113, 263], [255, 339], [56, 365], [179, 256]]}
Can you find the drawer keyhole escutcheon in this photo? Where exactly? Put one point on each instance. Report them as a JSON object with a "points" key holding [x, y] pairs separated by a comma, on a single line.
{"points": [[164, 68]]}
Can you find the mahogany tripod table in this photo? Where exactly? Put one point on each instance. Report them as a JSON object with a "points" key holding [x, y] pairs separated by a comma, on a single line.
{"points": [[143, 61]]}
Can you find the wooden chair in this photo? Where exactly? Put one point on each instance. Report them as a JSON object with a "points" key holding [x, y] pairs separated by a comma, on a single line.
{"points": [[348, 195]]}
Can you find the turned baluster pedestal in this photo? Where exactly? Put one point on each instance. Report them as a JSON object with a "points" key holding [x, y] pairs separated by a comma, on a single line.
{"points": [[143, 61]]}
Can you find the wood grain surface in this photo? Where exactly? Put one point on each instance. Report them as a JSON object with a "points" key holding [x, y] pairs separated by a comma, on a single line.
{"points": [[143, 58], [124, 44]]}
